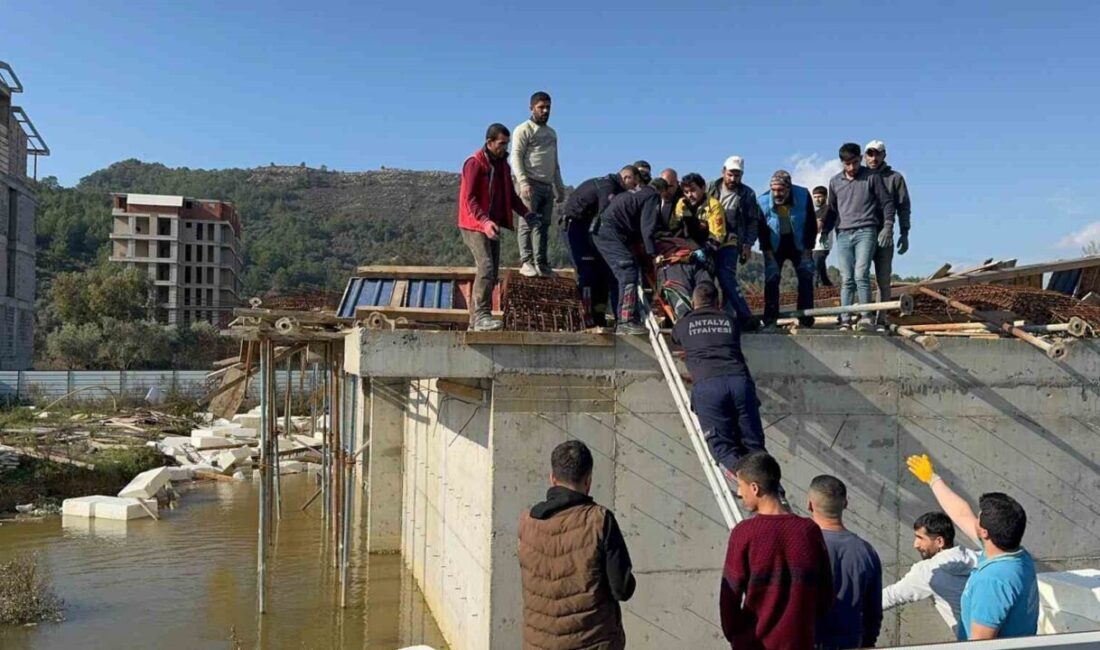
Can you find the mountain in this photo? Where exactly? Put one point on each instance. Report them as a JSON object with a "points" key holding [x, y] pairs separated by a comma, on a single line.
{"points": [[303, 228]]}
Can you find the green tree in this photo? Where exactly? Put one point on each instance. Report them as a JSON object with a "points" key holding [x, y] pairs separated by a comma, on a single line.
{"points": [[75, 345]]}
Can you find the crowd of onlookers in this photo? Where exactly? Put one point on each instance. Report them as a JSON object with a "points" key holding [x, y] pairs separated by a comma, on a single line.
{"points": [[788, 581], [677, 232]]}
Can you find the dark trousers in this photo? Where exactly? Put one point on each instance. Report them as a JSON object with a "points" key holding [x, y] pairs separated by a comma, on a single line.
{"points": [[729, 414], [487, 260], [773, 271], [884, 272], [620, 259], [598, 287], [822, 269]]}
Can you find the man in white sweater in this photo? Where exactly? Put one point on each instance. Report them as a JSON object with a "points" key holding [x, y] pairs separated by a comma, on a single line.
{"points": [[942, 572], [538, 178]]}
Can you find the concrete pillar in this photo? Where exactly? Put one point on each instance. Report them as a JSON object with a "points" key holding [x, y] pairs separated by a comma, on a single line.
{"points": [[386, 429]]}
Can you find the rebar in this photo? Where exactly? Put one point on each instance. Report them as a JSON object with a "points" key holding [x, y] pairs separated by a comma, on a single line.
{"points": [[1056, 350]]}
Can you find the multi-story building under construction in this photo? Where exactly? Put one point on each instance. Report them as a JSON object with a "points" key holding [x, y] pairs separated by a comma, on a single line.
{"points": [[18, 140], [189, 247]]}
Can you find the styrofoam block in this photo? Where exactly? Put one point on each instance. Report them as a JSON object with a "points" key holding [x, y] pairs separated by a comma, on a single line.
{"points": [[1076, 592], [247, 421], [291, 466], [80, 506], [244, 433], [181, 473], [206, 441], [203, 467], [123, 509], [231, 457], [1057, 622], [104, 507], [147, 484]]}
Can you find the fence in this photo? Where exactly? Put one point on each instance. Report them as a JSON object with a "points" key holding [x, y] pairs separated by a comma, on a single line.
{"points": [[31, 385]]}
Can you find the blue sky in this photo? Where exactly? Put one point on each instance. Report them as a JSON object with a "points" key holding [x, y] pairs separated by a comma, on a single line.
{"points": [[990, 108]]}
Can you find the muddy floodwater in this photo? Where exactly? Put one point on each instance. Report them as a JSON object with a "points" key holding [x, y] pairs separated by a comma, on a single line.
{"points": [[189, 581]]}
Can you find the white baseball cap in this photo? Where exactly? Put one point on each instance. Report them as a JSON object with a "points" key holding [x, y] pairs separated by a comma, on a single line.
{"points": [[734, 162], [877, 145]]}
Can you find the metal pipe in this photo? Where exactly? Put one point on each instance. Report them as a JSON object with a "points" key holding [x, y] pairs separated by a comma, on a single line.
{"points": [[276, 474], [1056, 350], [261, 546], [904, 304], [1075, 327]]}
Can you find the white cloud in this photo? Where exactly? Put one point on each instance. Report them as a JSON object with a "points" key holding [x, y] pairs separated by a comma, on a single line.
{"points": [[813, 170], [1083, 237]]}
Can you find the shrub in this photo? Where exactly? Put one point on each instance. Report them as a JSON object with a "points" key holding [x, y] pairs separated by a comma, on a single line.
{"points": [[26, 595]]}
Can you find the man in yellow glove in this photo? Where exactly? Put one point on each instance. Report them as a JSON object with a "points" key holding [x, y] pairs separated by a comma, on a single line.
{"points": [[1001, 598]]}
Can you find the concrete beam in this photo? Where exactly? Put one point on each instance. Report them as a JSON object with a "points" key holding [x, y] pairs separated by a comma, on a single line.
{"points": [[386, 428]]}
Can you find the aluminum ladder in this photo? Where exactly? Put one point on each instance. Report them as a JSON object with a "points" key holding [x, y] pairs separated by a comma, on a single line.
{"points": [[727, 502]]}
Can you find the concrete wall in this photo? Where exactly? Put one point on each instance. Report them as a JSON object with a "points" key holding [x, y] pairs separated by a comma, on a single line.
{"points": [[17, 270], [994, 415]]}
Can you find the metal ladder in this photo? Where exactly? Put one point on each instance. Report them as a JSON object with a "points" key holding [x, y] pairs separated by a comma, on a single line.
{"points": [[727, 502]]}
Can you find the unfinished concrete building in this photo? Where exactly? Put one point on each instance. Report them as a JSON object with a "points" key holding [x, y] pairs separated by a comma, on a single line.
{"points": [[19, 139], [190, 249]]}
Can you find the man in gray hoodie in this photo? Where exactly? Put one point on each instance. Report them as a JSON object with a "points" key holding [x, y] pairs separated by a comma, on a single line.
{"points": [[941, 573], [874, 156]]}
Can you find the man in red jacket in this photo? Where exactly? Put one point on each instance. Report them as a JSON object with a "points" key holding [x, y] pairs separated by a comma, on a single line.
{"points": [[777, 581], [486, 201]]}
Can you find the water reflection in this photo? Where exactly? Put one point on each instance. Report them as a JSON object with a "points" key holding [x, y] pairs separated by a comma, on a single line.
{"points": [[188, 581]]}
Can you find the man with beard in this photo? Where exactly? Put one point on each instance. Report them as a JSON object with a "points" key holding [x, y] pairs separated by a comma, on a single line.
{"points": [[742, 216], [788, 231], [538, 176], [875, 157], [941, 573]]}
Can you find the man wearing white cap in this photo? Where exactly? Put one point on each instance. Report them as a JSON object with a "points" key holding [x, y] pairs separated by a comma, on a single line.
{"points": [[875, 157], [743, 218]]}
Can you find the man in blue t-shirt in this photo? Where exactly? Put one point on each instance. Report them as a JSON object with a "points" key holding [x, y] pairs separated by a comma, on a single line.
{"points": [[1001, 598]]}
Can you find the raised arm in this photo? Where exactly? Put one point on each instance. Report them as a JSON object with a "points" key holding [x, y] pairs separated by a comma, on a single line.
{"points": [[955, 506]]}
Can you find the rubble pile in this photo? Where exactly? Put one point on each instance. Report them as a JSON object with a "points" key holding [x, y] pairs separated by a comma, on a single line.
{"points": [[1035, 306]]}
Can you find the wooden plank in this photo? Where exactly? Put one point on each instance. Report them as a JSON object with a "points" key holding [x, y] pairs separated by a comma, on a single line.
{"points": [[540, 338], [460, 390], [1005, 274], [1089, 282], [421, 314], [940, 272], [303, 317], [240, 380], [399, 289]]}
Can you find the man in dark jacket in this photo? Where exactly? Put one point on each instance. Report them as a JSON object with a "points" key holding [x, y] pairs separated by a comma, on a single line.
{"points": [[875, 157], [723, 394], [826, 221], [574, 562], [595, 281], [486, 201], [630, 220], [788, 230], [742, 217]]}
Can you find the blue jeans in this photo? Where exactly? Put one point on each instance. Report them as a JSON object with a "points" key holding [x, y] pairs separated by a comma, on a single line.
{"points": [[729, 414], [732, 300], [855, 249]]}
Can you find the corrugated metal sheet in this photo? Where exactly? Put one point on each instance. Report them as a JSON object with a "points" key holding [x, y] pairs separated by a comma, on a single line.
{"points": [[430, 293]]}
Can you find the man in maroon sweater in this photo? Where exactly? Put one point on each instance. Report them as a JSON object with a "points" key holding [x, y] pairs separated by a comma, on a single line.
{"points": [[777, 581]]}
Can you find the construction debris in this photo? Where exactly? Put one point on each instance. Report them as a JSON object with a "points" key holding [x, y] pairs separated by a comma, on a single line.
{"points": [[543, 305], [103, 507]]}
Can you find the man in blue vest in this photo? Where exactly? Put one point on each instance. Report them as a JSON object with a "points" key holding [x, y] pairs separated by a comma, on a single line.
{"points": [[788, 232]]}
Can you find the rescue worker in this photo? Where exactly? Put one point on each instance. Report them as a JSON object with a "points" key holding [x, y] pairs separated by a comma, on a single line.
{"points": [[787, 233], [486, 201], [595, 283], [629, 221], [723, 394], [742, 219], [574, 564]]}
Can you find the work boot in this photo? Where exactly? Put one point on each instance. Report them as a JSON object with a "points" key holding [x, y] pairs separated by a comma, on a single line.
{"points": [[486, 324], [865, 325], [528, 269], [630, 328], [545, 271]]}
